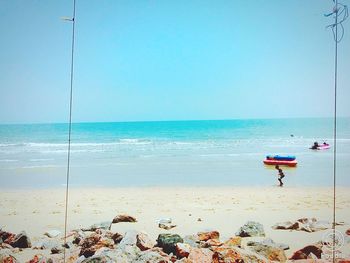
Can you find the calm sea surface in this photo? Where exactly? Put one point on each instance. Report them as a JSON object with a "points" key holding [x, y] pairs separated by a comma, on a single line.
{"points": [[178, 153]]}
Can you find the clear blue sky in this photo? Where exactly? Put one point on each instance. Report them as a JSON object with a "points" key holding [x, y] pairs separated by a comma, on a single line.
{"points": [[170, 60]]}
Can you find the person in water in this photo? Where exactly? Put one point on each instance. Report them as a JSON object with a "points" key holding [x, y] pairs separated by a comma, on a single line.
{"points": [[314, 147], [280, 174]]}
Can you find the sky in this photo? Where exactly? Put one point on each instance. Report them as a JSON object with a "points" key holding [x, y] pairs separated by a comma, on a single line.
{"points": [[170, 60]]}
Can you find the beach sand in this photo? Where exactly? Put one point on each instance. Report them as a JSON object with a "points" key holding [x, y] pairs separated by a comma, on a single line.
{"points": [[220, 208]]}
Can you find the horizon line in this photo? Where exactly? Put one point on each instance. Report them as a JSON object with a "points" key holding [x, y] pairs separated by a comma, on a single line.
{"points": [[172, 120]]}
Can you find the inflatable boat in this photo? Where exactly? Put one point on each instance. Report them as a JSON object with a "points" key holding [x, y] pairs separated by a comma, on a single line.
{"points": [[292, 163], [280, 157], [322, 147]]}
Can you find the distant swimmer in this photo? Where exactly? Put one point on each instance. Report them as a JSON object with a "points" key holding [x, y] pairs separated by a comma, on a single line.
{"points": [[280, 174], [315, 146]]}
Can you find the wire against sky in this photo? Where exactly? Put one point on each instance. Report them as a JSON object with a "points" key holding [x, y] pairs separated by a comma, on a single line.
{"points": [[340, 13]]}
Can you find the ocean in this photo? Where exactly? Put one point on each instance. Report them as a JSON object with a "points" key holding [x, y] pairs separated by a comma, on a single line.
{"points": [[172, 153]]}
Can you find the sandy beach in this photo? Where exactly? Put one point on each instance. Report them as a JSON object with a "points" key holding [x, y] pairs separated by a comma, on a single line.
{"points": [[224, 209]]}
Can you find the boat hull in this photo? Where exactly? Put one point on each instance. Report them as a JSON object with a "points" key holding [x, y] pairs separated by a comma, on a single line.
{"points": [[277, 162]]}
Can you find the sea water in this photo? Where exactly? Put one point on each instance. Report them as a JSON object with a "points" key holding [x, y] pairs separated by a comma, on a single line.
{"points": [[172, 153]]}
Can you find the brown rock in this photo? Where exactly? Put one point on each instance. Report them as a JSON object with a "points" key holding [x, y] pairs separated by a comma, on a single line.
{"points": [[224, 254], [40, 259], [160, 251], [233, 242], [144, 242], [308, 261], [21, 240], [204, 236], [202, 255], [6, 255], [210, 243], [184, 260], [271, 253], [124, 218], [182, 250], [91, 244], [7, 237], [235, 254], [347, 232], [117, 238], [306, 251]]}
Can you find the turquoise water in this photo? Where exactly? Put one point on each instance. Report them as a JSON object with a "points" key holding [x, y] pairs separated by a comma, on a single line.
{"points": [[227, 152]]}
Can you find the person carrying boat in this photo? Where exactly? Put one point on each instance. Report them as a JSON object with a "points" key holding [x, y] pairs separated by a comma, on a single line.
{"points": [[280, 174]]}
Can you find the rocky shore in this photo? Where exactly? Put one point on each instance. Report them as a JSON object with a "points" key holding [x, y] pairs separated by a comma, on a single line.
{"points": [[98, 244]]}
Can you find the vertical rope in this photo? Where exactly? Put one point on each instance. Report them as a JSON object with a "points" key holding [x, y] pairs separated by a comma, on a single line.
{"points": [[335, 128], [69, 131]]}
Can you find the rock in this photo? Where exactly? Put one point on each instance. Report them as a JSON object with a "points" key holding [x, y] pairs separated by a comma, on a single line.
{"points": [[191, 240], [166, 226], [202, 255], [91, 244], [121, 255], [199, 219], [103, 225], [40, 259], [347, 232], [152, 257], [288, 225], [129, 239], [268, 242], [160, 251], [21, 240], [87, 245], [164, 220], [99, 259], [56, 250], [116, 237], [68, 245], [6, 256], [124, 218], [306, 251], [182, 250], [78, 236], [52, 233], [144, 242], [210, 243], [204, 236], [168, 242], [130, 254], [305, 224], [45, 244], [224, 254], [251, 229], [233, 242], [7, 237], [237, 255], [271, 253]]}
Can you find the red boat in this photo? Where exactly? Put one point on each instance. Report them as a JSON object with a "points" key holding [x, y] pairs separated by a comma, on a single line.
{"points": [[277, 162]]}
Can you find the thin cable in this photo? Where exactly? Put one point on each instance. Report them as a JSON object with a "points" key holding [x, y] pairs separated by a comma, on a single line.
{"points": [[69, 132], [335, 127]]}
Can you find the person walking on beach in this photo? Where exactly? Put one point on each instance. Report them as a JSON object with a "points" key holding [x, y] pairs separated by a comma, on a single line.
{"points": [[280, 174]]}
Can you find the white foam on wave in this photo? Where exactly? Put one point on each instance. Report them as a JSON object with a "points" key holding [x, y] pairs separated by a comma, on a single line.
{"points": [[41, 159], [40, 166]]}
